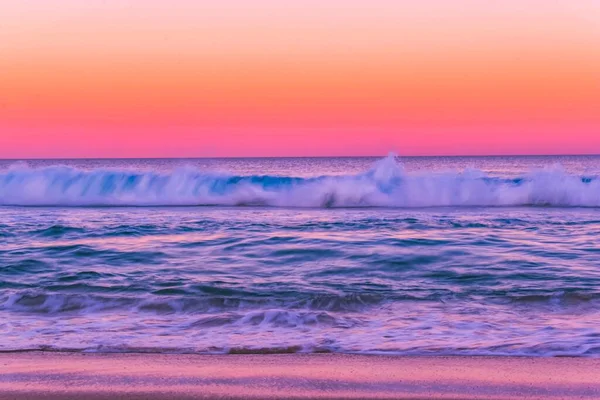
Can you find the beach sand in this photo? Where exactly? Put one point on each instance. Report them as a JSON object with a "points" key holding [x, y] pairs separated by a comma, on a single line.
{"points": [[51, 375]]}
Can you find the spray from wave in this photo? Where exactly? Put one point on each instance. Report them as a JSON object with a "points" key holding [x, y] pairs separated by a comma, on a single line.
{"points": [[386, 184]]}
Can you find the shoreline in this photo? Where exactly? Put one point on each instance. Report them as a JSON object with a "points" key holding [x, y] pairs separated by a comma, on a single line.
{"points": [[289, 351], [60, 375]]}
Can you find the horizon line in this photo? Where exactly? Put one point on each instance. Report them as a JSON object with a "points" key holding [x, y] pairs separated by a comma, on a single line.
{"points": [[283, 157]]}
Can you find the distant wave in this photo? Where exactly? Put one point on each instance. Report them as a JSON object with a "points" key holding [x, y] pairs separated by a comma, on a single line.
{"points": [[386, 184]]}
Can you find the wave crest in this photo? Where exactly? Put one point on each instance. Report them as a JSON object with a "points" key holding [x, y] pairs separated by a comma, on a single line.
{"points": [[386, 184]]}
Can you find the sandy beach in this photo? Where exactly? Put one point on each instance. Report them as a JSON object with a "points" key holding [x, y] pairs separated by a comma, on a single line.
{"points": [[52, 375]]}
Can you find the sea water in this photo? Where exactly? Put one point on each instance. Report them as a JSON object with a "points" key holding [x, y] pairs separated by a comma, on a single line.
{"points": [[427, 255]]}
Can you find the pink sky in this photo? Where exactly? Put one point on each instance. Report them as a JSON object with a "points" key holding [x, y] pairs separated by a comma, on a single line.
{"points": [[183, 78]]}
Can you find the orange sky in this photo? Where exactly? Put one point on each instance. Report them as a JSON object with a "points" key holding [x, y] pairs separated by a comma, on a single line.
{"points": [[183, 78]]}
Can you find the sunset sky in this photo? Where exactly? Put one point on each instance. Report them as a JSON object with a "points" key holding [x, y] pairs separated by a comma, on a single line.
{"points": [[185, 78]]}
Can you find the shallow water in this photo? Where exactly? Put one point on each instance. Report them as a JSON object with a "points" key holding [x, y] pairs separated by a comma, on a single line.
{"points": [[420, 258]]}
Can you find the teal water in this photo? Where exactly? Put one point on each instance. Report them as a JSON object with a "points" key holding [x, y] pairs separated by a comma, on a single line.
{"points": [[426, 256]]}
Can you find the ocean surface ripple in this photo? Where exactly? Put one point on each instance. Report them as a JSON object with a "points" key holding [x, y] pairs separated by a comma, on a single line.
{"points": [[431, 270]]}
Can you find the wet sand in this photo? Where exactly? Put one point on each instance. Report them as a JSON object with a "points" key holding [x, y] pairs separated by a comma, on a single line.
{"points": [[50, 375]]}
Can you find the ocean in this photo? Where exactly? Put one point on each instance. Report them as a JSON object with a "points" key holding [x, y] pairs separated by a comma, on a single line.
{"points": [[411, 255]]}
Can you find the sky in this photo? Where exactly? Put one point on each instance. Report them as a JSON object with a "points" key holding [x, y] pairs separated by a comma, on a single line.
{"points": [[230, 78]]}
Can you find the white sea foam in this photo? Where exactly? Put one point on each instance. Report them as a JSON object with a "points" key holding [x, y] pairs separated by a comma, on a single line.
{"points": [[386, 184]]}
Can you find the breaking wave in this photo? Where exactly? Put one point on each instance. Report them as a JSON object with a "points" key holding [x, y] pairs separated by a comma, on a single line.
{"points": [[386, 184]]}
